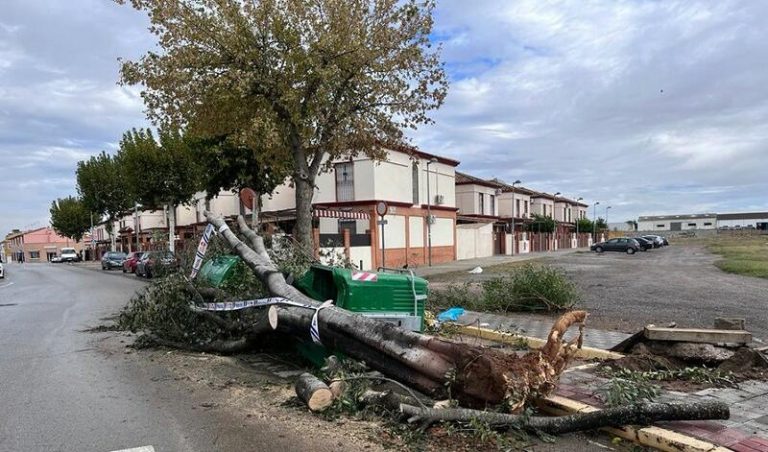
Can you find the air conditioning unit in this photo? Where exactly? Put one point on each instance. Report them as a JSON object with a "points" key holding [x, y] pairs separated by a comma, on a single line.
{"points": [[439, 199]]}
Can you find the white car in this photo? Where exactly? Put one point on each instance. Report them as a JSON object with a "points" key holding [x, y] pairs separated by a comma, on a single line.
{"points": [[69, 255], [2, 271]]}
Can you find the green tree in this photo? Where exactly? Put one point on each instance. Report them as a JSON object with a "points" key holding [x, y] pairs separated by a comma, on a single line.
{"points": [[163, 172], [601, 224], [103, 189], [299, 82], [585, 225], [70, 217], [542, 223]]}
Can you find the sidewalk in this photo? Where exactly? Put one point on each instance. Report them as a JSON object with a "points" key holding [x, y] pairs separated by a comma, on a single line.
{"points": [[469, 264], [745, 431]]}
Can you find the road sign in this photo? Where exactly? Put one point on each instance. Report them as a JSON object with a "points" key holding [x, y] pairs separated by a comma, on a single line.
{"points": [[382, 208], [247, 196]]}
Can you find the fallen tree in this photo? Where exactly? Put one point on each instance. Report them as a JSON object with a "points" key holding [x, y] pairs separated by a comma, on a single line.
{"points": [[473, 375]]}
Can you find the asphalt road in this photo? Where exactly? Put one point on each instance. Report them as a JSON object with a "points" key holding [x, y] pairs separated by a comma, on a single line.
{"points": [[61, 391]]}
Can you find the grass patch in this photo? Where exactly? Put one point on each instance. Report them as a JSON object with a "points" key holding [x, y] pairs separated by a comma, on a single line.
{"points": [[747, 256]]}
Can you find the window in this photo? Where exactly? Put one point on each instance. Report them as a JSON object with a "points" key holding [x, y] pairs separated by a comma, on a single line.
{"points": [[34, 254], [493, 204], [516, 213], [707, 224], [481, 206], [526, 208], [348, 224], [415, 178], [692, 225], [659, 225], [345, 182]]}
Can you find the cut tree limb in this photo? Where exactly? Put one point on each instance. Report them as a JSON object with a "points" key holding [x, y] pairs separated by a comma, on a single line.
{"points": [[639, 414], [313, 392]]}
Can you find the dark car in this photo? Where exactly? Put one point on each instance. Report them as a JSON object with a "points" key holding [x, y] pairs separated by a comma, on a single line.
{"points": [[129, 264], [112, 259], [623, 244], [658, 241], [645, 244], [156, 262]]}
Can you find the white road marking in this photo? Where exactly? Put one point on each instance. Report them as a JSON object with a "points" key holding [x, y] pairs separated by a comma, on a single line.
{"points": [[6, 285], [137, 449]]}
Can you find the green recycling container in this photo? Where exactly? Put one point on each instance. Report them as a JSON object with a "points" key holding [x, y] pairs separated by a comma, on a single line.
{"points": [[395, 296], [218, 270]]}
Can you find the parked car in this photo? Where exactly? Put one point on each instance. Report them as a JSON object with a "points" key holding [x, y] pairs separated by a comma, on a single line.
{"points": [[658, 241], [645, 244], [129, 264], [56, 260], [112, 259], [623, 244], [2, 271], [153, 262], [69, 255]]}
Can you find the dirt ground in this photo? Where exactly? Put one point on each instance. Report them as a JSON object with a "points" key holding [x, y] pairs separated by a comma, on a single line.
{"points": [[679, 283]]}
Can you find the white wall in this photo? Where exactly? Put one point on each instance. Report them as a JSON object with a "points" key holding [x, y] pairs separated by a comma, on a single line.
{"points": [[665, 225], [442, 232], [282, 198], [538, 206], [474, 240], [416, 231], [394, 232], [361, 253]]}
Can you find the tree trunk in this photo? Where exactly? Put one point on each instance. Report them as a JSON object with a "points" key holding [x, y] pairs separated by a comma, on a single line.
{"points": [[172, 228], [639, 414], [305, 190], [313, 392], [476, 376]]}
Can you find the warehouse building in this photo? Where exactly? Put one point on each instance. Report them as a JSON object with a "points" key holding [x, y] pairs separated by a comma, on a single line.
{"points": [[744, 220], [677, 222]]}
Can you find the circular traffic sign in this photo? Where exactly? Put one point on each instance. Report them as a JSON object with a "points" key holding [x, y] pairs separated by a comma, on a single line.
{"points": [[381, 208]]}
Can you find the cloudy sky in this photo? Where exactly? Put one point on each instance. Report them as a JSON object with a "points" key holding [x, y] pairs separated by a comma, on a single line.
{"points": [[648, 106]]}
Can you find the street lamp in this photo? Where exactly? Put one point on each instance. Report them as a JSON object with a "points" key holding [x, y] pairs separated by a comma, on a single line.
{"points": [[606, 218], [429, 214], [554, 218], [577, 221], [514, 212], [594, 220]]}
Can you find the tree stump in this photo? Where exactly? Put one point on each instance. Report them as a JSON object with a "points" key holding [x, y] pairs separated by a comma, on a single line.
{"points": [[313, 392]]}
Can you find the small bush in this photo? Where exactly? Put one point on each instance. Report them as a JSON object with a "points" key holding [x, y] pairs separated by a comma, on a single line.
{"points": [[530, 288]]}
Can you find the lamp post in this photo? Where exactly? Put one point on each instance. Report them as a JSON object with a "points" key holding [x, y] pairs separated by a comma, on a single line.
{"points": [[606, 218], [594, 220], [577, 221], [429, 215], [554, 218], [514, 212]]}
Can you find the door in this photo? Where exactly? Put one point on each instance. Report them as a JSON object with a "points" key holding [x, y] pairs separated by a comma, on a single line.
{"points": [[612, 244], [676, 226]]}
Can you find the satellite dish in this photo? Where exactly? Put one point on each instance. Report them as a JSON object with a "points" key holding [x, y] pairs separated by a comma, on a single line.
{"points": [[247, 195]]}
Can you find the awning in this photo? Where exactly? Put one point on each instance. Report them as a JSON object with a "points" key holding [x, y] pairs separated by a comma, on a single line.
{"points": [[349, 215]]}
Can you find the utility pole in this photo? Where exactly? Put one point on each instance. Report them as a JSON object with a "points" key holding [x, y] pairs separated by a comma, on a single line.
{"points": [[136, 224], [607, 228]]}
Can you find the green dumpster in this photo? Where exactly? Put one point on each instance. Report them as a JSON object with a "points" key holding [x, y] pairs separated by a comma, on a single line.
{"points": [[218, 270], [395, 296]]}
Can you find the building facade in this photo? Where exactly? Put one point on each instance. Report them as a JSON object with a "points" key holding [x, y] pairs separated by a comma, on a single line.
{"points": [[674, 223], [38, 245]]}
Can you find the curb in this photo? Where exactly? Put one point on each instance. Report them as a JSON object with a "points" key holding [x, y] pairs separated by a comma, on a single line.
{"points": [[533, 342], [656, 437]]}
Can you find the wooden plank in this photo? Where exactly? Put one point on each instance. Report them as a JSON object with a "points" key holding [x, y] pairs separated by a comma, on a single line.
{"points": [[706, 336], [533, 342], [655, 437]]}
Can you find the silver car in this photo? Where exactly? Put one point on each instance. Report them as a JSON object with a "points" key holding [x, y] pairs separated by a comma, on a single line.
{"points": [[2, 271]]}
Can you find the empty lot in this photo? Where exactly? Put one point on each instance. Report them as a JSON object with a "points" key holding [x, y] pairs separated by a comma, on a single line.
{"points": [[679, 283]]}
